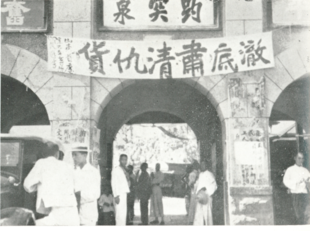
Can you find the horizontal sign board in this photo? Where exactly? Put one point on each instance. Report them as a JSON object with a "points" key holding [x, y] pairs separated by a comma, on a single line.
{"points": [[158, 14]]}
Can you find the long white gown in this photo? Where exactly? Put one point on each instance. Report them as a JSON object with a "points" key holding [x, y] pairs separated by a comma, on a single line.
{"points": [[203, 214]]}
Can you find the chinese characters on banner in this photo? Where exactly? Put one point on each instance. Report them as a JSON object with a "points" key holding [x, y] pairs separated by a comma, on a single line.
{"points": [[160, 59], [140, 14], [19, 15]]}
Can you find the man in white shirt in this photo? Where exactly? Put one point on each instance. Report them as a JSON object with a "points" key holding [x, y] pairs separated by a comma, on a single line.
{"points": [[89, 180], [206, 186], [120, 187], [295, 179], [55, 185]]}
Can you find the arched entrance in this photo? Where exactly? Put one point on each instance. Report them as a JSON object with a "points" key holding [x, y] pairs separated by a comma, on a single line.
{"points": [[289, 133], [161, 101], [20, 105]]}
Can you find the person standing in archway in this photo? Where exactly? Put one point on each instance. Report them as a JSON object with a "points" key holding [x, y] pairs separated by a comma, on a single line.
{"points": [[144, 193], [206, 186], [157, 209], [131, 196], [120, 187], [296, 179]]}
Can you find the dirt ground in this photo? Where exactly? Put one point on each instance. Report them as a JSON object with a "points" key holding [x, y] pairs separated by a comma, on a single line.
{"points": [[174, 210]]}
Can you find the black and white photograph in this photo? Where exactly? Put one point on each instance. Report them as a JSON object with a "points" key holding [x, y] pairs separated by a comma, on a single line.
{"points": [[155, 113]]}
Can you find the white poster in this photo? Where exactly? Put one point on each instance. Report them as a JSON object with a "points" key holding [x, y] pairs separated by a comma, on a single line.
{"points": [[157, 14], [249, 153], [160, 59]]}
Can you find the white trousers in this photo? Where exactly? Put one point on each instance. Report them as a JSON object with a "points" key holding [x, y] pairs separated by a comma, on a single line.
{"points": [[61, 216], [89, 213], [121, 210], [203, 214]]}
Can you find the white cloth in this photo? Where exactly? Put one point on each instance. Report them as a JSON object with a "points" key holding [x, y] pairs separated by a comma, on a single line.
{"points": [[59, 217], [203, 213], [89, 182], [121, 210], [54, 180], [295, 178], [119, 182]]}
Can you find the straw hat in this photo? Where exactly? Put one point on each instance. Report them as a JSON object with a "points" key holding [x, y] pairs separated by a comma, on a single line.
{"points": [[202, 197]]}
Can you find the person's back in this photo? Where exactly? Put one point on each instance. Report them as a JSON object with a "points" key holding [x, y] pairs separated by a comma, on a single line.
{"points": [[55, 184]]}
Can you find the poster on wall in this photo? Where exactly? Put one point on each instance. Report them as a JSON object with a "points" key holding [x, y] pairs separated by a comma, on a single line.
{"points": [[158, 14], [71, 131], [249, 151], [246, 98], [160, 59]]}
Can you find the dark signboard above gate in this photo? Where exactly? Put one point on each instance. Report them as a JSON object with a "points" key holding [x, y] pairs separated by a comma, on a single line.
{"points": [[23, 16]]}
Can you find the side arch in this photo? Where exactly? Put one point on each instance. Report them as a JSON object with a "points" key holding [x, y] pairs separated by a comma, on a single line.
{"points": [[30, 70], [290, 65]]}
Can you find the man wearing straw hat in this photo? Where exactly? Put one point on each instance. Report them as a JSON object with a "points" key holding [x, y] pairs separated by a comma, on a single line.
{"points": [[89, 180]]}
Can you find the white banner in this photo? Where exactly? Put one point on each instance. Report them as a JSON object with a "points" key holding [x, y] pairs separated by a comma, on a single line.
{"points": [[160, 59]]}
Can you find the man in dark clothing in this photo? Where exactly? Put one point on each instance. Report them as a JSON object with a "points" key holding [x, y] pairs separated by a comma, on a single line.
{"points": [[131, 196], [144, 193]]}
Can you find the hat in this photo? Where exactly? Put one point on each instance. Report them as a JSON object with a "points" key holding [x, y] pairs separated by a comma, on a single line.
{"points": [[79, 148]]}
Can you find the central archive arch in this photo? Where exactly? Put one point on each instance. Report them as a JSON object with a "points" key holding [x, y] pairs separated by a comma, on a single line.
{"points": [[190, 100]]}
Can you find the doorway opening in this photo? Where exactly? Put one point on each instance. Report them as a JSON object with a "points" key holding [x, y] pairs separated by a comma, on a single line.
{"points": [[174, 146], [158, 102], [289, 132], [20, 106]]}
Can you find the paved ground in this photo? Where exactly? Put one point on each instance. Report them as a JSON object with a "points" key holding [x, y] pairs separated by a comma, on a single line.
{"points": [[174, 210]]}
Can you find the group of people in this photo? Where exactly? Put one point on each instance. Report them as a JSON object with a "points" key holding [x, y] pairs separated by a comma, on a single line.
{"points": [[126, 187], [200, 186], [66, 195]]}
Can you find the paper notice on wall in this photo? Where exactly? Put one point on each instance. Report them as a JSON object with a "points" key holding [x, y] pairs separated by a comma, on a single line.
{"points": [[249, 153], [160, 59]]}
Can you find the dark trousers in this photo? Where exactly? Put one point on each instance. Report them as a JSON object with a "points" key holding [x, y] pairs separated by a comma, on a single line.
{"points": [[130, 207], [144, 208], [300, 202]]}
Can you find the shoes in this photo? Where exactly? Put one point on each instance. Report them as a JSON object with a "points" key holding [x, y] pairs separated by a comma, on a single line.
{"points": [[162, 223], [155, 222]]}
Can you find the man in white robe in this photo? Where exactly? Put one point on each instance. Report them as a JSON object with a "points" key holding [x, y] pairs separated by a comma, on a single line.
{"points": [[90, 181], [120, 188], [206, 185], [55, 185]]}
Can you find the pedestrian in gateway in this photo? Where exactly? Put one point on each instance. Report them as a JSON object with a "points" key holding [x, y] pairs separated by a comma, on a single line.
{"points": [[296, 179], [206, 186], [120, 187], [131, 196], [144, 192], [157, 209]]}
